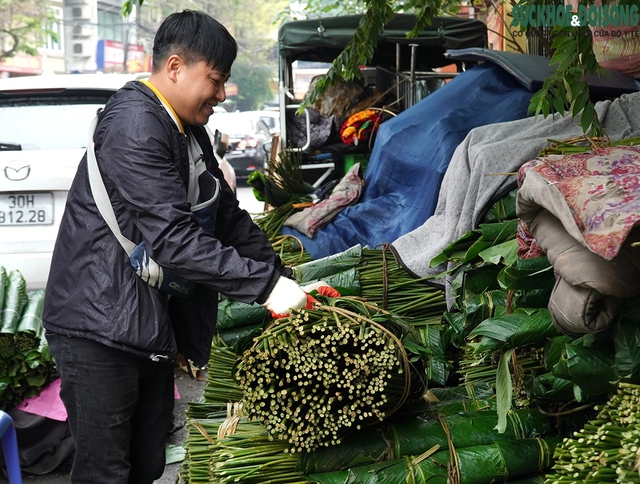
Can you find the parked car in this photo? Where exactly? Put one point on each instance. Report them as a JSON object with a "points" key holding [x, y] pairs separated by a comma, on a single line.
{"points": [[249, 140], [271, 119], [220, 145], [44, 124]]}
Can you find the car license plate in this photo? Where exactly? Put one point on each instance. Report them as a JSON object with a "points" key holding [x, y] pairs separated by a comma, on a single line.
{"points": [[26, 209]]}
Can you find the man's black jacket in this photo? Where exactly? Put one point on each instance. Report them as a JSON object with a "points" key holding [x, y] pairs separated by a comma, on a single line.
{"points": [[93, 292]]}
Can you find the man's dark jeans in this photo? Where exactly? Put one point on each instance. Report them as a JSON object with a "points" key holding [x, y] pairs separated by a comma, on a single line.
{"points": [[120, 410]]}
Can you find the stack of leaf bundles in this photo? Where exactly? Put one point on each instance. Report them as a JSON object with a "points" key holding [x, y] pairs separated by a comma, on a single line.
{"points": [[482, 464], [237, 321], [376, 275], [405, 435], [241, 451], [26, 365]]}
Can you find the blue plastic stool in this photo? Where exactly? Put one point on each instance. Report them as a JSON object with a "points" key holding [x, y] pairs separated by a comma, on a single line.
{"points": [[10, 448]]}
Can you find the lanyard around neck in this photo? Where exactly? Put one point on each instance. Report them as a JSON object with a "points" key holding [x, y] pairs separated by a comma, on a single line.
{"points": [[165, 103]]}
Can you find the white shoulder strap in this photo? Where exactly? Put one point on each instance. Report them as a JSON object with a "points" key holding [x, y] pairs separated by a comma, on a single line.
{"points": [[100, 195]]}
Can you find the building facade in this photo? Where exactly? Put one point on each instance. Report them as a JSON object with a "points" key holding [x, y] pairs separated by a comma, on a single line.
{"points": [[89, 36]]}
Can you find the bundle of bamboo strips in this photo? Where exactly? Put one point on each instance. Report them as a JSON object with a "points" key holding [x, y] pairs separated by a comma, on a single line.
{"points": [[225, 449], [312, 376], [271, 221], [250, 456], [384, 281], [607, 448], [290, 250], [380, 279], [474, 367], [221, 387], [283, 189]]}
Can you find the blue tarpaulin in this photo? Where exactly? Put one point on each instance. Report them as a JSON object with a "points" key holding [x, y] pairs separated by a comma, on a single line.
{"points": [[411, 154]]}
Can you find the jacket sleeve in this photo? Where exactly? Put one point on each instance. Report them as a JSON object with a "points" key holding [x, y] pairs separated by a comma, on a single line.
{"points": [[234, 226], [139, 159]]}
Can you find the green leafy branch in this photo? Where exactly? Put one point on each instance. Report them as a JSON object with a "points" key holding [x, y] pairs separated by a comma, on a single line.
{"points": [[567, 90], [564, 91], [127, 7], [360, 49]]}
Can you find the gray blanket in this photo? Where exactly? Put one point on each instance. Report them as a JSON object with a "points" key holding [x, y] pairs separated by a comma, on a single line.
{"points": [[483, 168]]}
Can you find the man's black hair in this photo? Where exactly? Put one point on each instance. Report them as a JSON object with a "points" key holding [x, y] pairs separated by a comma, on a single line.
{"points": [[194, 36]]}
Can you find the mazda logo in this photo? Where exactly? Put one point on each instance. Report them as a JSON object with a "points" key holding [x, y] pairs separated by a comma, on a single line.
{"points": [[16, 171]]}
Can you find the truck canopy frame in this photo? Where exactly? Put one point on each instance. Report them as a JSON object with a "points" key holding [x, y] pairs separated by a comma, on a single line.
{"points": [[323, 39]]}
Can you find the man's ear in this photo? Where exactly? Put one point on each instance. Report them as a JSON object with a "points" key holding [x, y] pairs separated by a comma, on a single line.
{"points": [[173, 66]]}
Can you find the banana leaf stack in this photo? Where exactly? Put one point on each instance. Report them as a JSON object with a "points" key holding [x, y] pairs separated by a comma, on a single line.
{"points": [[482, 464], [238, 322], [524, 332], [337, 270], [26, 365], [28, 333], [416, 434], [15, 299], [506, 337], [312, 377], [498, 319]]}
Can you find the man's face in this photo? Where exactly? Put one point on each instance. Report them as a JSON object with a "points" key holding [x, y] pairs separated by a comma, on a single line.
{"points": [[198, 89]]}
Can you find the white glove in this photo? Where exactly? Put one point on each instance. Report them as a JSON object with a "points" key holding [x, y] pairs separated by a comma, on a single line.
{"points": [[314, 286], [286, 295]]}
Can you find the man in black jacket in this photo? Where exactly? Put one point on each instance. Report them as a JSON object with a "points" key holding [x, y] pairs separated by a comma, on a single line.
{"points": [[114, 335]]}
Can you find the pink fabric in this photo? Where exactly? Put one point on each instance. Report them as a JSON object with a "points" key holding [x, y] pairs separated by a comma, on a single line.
{"points": [[601, 189], [345, 193], [47, 404], [528, 247]]}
